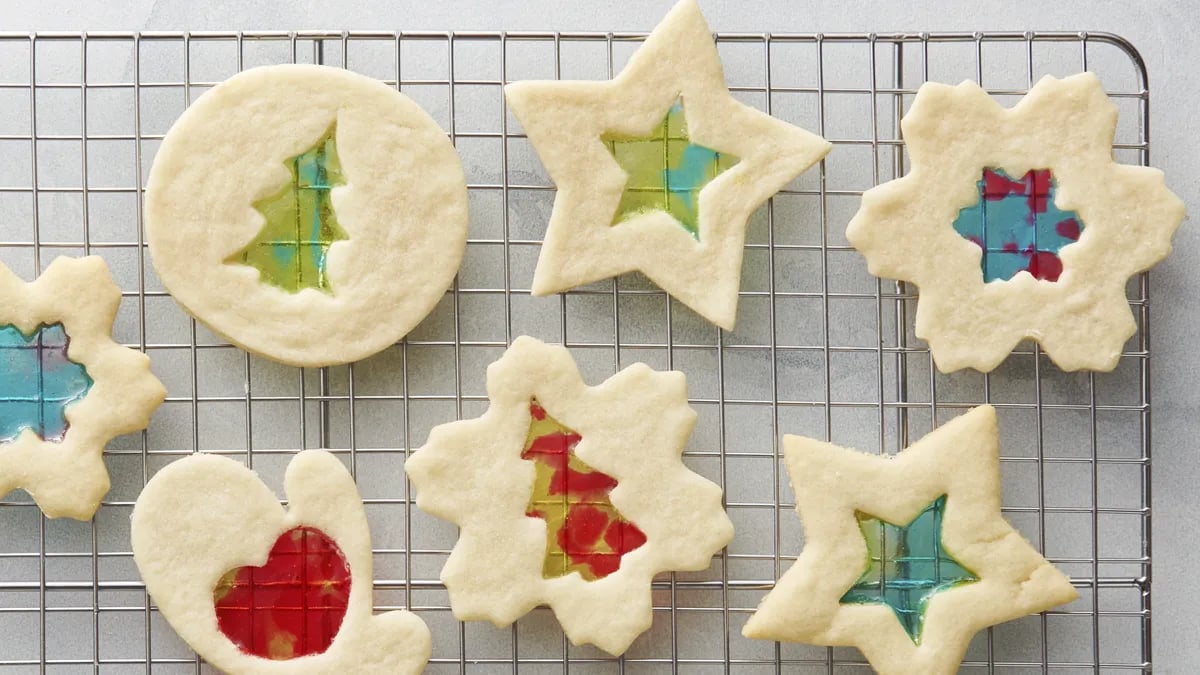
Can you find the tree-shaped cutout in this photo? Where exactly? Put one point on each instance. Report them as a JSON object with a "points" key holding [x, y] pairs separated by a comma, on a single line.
{"points": [[291, 248], [584, 531]]}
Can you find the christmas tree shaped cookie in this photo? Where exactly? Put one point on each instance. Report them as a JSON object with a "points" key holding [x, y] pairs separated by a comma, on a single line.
{"points": [[905, 557], [658, 170], [1017, 223], [584, 485], [306, 213], [66, 388], [255, 588]]}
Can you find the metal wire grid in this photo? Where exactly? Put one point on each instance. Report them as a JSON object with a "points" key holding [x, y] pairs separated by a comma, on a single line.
{"points": [[821, 349]]}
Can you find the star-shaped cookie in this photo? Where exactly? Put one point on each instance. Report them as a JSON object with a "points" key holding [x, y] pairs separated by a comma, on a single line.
{"points": [[658, 169], [906, 557]]}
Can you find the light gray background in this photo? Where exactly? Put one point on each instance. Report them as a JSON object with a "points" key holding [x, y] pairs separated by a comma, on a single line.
{"points": [[1164, 31]]}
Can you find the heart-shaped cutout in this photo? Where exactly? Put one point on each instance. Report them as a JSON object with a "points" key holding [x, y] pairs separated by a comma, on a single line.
{"points": [[293, 605]]}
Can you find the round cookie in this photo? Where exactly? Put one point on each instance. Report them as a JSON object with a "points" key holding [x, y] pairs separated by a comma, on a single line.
{"points": [[308, 214]]}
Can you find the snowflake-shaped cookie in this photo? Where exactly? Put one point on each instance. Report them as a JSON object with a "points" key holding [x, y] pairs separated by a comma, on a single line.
{"points": [[1017, 223], [905, 557], [658, 169], [66, 389], [585, 488], [255, 588]]}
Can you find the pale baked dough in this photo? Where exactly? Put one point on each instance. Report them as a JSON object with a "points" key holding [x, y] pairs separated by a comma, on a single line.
{"points": [[204, 515], [565, 122], [960, 459], [634, 427], [904, 228], [67, 478], [404, 207]]}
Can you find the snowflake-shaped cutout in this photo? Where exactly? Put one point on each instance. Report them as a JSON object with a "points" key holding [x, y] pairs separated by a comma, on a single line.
{"points": [[66, 388], [550, 449], [1073, 224]]}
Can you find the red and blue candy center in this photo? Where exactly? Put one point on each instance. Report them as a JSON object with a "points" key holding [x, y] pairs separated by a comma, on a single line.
{"points": [[1018, 226]]}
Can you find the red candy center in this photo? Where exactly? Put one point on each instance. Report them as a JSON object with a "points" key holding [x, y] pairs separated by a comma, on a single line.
{"points": [[585, 532], [293, 605]]}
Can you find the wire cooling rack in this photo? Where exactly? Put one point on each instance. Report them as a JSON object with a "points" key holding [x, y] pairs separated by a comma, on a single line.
{"points": [[821, 348]]}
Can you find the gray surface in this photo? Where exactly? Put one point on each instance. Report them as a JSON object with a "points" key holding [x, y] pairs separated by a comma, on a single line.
{"points": [[1161, 30]]}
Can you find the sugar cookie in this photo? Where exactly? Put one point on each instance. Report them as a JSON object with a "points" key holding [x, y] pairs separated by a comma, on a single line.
{"points": [[307, 213], [256, 588], [658, 170], [905, 557], [1017, 223], [584, 486], [66, 389]]}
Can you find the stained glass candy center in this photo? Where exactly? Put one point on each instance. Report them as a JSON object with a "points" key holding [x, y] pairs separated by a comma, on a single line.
{"points": [[584, 531], [666, 171], [293, 605], [38, 382], [291, 248], [1018, 226], [907, 566]]}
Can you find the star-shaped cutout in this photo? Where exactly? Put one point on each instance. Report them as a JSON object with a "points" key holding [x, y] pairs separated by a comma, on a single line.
{"points": [[947, 487], [658, 169], [906, 566]]}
